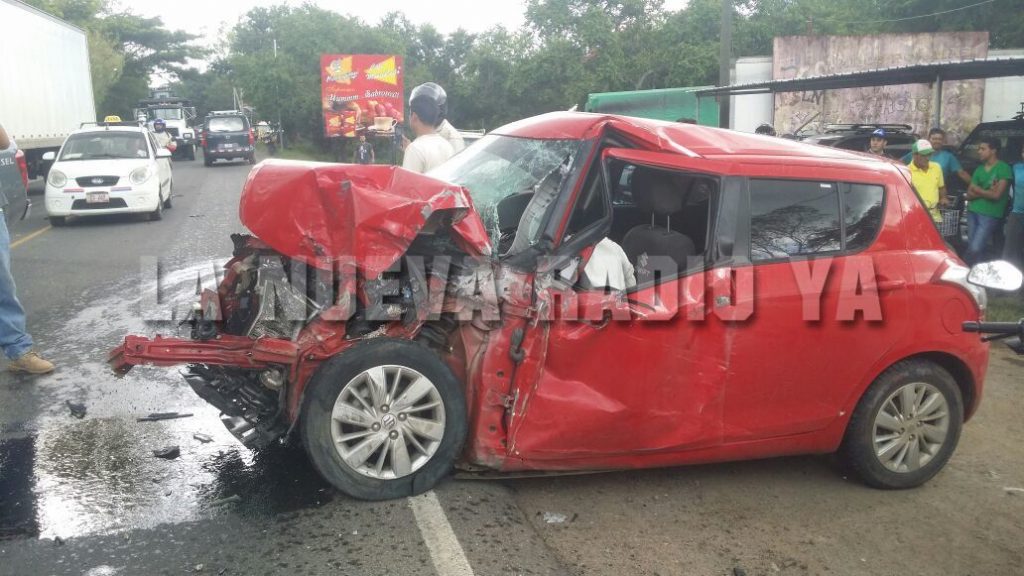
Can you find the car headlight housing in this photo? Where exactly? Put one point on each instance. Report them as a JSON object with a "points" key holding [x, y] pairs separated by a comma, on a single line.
{"points": [[57, 179], [140, 175]]}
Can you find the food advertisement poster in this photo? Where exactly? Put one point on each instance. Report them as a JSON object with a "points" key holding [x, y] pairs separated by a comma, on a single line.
{"points": [[361, 93]]}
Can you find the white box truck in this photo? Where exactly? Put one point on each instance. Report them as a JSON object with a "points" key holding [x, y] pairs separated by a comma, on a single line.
{"points": [[45, 80]]}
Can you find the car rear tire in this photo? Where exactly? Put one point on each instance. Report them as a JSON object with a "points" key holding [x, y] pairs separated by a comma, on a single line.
{"points": [[905, 427], [168, 203], [58, 221], [384, 419]]}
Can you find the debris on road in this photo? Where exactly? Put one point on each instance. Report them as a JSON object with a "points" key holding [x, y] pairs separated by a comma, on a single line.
{"points": [[203, 437], [737, 571], [228, 500], [199, 567], [554, 518], [157, 416], [77, 409], [1013, 490], [168, 453]]}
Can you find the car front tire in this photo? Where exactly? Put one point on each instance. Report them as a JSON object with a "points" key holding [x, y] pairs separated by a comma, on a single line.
{"points": [[384, 419], [905, 427]]}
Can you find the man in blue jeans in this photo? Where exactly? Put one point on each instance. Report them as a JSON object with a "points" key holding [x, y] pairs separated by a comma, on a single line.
{"points": [[14, 339], [987, 199]]}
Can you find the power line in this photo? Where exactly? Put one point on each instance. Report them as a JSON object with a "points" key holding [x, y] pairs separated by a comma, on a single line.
{"points": [[914, 17]]}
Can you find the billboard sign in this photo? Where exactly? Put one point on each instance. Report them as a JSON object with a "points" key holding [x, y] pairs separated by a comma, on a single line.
{"points": [[360, 92]]}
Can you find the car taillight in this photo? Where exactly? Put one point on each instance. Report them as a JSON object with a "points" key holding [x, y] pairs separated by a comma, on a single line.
{"points": [[953, 272], [252, 137], [19, 157], [202, 139]]}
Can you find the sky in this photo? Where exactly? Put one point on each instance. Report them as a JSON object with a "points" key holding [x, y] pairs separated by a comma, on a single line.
{"points": [[208, 17]]}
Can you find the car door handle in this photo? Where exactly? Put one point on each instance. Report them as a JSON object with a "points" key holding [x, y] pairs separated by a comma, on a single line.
{"points": [[886, 285]]}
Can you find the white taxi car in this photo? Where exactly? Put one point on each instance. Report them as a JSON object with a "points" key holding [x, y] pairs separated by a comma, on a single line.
{"points": [[108, 168]]}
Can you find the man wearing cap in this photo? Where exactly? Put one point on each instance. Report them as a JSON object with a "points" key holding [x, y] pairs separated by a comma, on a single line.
{"points": [[928, 179], [944, 158], [877, 143]]}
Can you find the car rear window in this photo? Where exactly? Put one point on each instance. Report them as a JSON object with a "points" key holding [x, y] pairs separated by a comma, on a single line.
{"points": [[793, 218], [227, 124], [800, 218]]}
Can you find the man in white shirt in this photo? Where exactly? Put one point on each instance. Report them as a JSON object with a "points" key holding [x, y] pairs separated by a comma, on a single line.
{"points": [[429, 149]]}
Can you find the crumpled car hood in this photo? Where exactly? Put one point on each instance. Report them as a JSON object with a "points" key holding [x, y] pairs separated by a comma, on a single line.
{"points": [[316, 212]]}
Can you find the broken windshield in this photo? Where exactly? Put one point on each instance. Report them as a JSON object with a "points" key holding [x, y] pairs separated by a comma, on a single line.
{"points": [[497, 167]]}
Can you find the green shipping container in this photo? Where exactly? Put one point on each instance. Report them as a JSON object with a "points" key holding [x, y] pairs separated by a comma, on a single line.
{"points": [[665, 104]]}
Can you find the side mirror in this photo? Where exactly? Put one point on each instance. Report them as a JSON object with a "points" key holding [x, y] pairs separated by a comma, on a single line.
{"points": [[50, 156], [163, 153], [998, 275]]}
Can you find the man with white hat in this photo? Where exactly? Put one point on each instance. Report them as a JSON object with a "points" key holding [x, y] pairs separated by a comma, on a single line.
{"points": [[927, 178]]}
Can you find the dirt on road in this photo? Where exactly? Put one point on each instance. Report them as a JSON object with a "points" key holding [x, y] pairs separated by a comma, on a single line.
{"points": [[802, 516]]}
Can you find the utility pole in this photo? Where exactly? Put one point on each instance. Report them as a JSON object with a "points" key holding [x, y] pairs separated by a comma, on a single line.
{"points": [[724, 57], [277, 98]]}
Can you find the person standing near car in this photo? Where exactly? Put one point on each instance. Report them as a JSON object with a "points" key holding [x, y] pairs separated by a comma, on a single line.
{"points": [[944, 158], [1013, 249], [364, 153], [444, 127], [429, 149], [14, 338], [876, 145], [162, 136], [987, 199], [926, 175]]}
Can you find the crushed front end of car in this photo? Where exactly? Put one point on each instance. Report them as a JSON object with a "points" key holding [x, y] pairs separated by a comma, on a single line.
{"points": [[340, 254]]}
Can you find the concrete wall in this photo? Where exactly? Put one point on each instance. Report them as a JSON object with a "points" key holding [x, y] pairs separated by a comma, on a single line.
{"points": [[803, 56]]}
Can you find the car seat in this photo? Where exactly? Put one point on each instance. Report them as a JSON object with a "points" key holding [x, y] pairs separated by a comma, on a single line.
{"points": [[654, 193]]}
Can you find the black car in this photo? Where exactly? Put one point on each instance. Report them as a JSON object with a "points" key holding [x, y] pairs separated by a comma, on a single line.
{"points": [[899, 137], [227, 136]]}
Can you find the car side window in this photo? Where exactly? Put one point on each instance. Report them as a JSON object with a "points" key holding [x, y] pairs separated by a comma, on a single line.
{"points": [[793, 218], [862, 213]]}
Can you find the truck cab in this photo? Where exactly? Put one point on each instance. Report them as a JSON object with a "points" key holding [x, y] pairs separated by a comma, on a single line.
{"points": [[177, 115]]}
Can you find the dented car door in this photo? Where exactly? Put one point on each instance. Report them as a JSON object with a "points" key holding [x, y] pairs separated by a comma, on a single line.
{"points": [[665, 390]]}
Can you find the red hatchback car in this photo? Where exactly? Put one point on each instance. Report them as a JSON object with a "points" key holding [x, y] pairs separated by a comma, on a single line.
{"points": [[587, 292]]}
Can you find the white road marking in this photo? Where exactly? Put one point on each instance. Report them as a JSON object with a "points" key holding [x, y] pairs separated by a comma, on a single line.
{"points": [[445, 550]]}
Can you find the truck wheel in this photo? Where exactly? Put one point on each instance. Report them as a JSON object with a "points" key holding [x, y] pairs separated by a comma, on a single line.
{"points": [[384, 419], [58, 221], [906, 426]]}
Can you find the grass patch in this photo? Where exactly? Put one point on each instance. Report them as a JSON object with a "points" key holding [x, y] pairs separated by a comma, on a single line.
{"points": [[304, 151], [1004, 308]]}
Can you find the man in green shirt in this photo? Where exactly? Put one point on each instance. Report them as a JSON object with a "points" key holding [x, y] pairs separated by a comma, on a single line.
{"points": [[987, 199]]}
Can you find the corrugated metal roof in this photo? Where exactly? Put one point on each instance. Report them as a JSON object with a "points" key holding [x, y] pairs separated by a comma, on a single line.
{"points": [[915, 74]]}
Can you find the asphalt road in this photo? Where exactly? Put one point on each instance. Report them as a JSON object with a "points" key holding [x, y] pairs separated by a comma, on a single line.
{"points": [[86, 496]]}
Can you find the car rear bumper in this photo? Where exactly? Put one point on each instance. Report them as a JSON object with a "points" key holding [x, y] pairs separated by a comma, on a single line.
{"points": [[240, 152]]}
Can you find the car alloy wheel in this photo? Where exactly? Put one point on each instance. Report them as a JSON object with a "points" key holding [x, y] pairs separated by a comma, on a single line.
{"points": [[388, 422], [911, 427], [384, 419]]}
